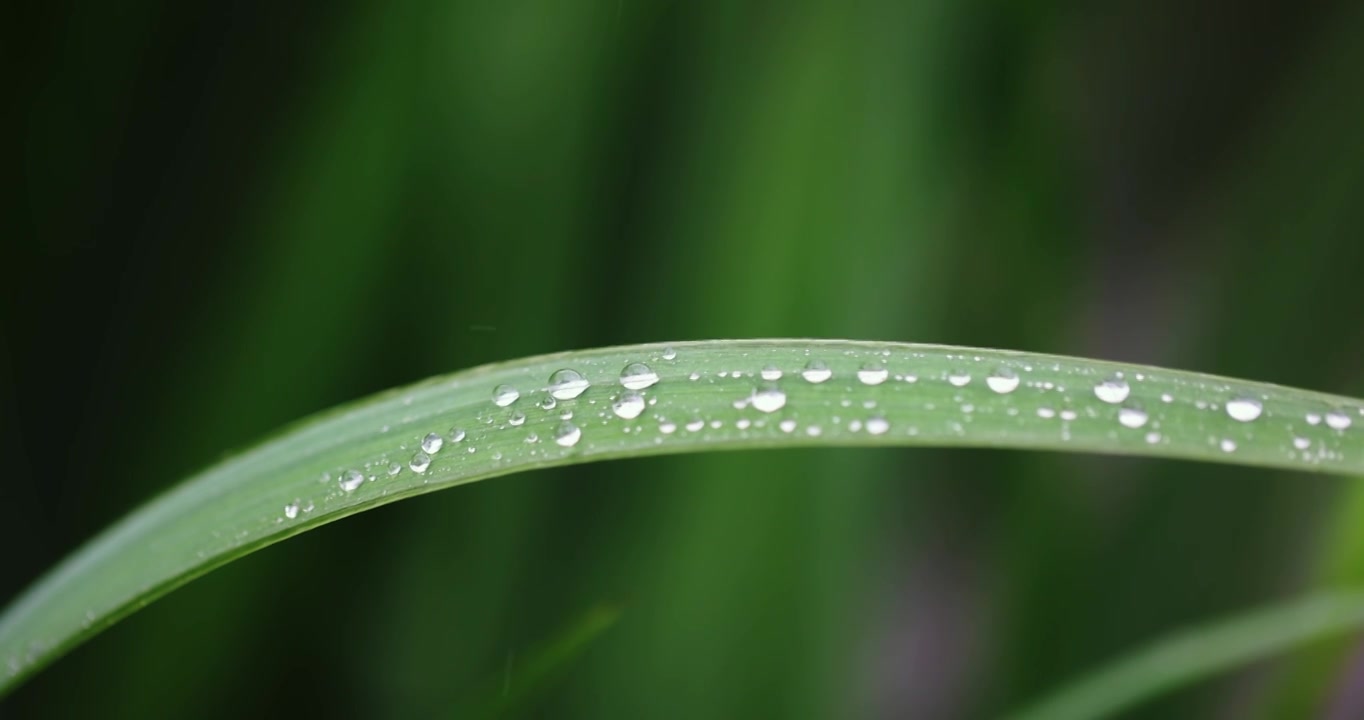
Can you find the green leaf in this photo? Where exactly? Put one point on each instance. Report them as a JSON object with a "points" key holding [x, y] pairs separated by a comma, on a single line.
{"points": [[712, 395], [1201, 652]]}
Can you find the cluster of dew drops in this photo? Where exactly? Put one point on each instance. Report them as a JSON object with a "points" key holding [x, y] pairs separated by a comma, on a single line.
{"points": [[768, 397]]}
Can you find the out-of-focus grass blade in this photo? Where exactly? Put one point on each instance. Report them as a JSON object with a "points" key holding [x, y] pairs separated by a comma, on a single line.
{"points": [[655, 399], [1201, 652], [523, 680]]}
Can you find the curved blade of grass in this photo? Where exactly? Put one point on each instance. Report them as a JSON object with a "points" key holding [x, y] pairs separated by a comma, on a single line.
{"points": [[1201, 652], [708, 396]]}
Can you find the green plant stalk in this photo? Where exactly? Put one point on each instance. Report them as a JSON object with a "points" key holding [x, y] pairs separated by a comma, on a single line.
{"points": [[1201, 652], [709, 395]]}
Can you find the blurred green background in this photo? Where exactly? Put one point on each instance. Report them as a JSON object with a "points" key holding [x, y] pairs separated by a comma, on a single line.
{"points": [[232, 215]]}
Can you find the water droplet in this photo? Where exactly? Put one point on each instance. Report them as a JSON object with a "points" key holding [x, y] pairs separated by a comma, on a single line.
{"points": [[351, 479], [667, 428], [1069, 415], [532, 438], [457, 435], [872, 374], [743, 423], [504, 395], [669, 353], [1301, 443], [291, 510], [432, 443], [1337, 420], [787, 426], [629, 405], [566, 384], [877, 425], [1228, 446], [567, 434], [768, 399], [548, 402], [1167, 398], [695, 425], [394, 469], [1046, 413], [420, 462], [1313, 419], [771, 372], [1244, 409], [1132, 417], [814, 431], [1003, 380], [517, 419], [959, 378], [1152, 438], [637, 376], [816, 371], [1113, 390]]}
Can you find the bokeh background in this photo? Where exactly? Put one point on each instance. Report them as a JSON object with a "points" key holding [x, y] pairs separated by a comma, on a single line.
{"points": [[230, 215]]}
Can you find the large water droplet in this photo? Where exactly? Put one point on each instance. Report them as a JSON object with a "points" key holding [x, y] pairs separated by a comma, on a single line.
{"points": [[816, 371], [432, 443], [1132, 417], [872, 374], [504, 395], [1244, 409], [1003, 380], [1113, 390], [877, 425], [566, 384], [567, 434], [771, 372], [351, 479], [1337, 420], [629, 405], [637, 376], [420, 462], [768, 399]]}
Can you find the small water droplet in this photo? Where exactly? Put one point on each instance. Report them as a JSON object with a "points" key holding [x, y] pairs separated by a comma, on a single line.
{"points": [[1113, 390], [1167, 398], [567, 434], [394, 469], [814, 431], [1244, 409], [959, 378], [457, 435], [532, 438], [787, 426], [768, 399], [637, 376], [1337, 420], [548, 402], [1069, 415], [1301, 443], [1313, 419], [1228, 446], [667, 428], [771, 372], [877, 425], [1003, 380], [1046, 413], [566, 384], [420, 462], [1152, 438], [517, 419], [351, 479], [872, 373], [816, 371], [669, 354], [695, 425], [629, 405], [504, 395], [432, 443], [291, 510], [1132, 417], [743, 423]]}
